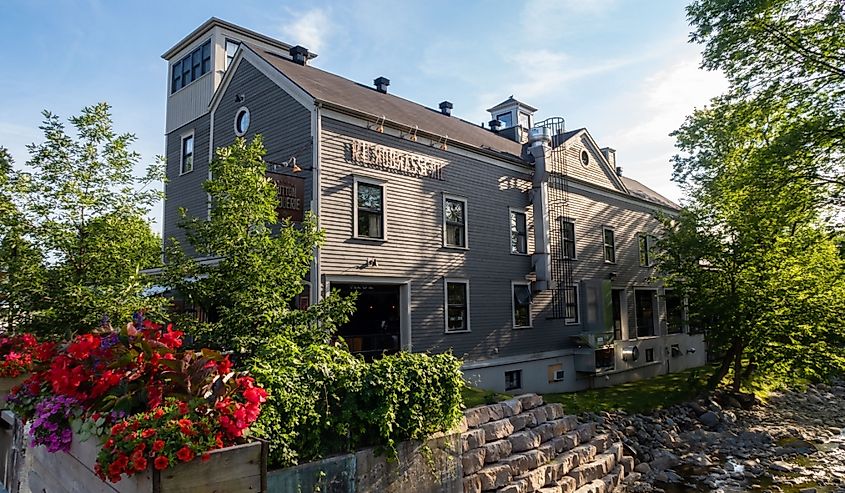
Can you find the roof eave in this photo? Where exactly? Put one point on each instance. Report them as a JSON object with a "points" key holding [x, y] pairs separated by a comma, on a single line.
{"points": [[213, 22]]}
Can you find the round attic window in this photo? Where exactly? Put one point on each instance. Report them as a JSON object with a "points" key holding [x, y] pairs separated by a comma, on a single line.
{"points": [[241, 121], [585, 158]]}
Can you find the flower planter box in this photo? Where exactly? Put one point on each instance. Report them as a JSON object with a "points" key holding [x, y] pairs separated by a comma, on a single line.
{"points": [[240, 468]]}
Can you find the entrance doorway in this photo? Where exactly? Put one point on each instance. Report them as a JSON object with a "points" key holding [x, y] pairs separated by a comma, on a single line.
{"points": [[375, 327]]}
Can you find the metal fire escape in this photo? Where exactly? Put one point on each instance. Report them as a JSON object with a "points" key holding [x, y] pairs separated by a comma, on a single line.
{"points": [[558, 209]]}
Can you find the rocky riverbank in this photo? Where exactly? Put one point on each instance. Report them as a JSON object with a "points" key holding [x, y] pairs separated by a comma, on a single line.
{"points": [[792, 443]]}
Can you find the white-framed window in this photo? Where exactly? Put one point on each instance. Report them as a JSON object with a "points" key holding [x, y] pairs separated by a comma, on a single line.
{"points": [[186, 160], [524, 120], [369, 209], [241, 121], [506, 119], [519, 232], [646, 244], [456, 305], [571, 309], [521, 304], [231, 49], [567, 238], [609, 242], [454, 222], [513, 380]]}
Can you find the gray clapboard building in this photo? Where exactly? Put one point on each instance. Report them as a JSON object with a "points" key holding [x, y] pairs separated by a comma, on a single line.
{"points": [[520, 245]]}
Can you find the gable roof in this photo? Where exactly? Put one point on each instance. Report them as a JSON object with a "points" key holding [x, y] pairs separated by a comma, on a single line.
{"points": [[340, 92], [637, 189], [330, 88]]}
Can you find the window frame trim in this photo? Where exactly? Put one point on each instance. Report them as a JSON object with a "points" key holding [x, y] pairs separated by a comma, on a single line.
{"points": [[568, 321], [562, 220], [192, 135], [238, 112], [513, 306], [649, 258], [444, 236], [446, 282], [604, 229], [356, 179], [517, 371], [511, 210], [190, 54]]}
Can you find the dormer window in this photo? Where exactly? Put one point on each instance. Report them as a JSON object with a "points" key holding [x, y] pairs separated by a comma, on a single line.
{"points": [[506, 119], [190, 68], [231, 48], [524, 120]]}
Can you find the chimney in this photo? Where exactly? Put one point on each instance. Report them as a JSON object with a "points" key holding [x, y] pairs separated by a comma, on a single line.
{"points": [[495, 124], [381, 84], [446, 108], [610, 155], [299, 54], [619, 171]]}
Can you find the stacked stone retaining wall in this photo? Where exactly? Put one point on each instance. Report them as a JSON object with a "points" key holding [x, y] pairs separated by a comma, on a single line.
{"points": [[523, 445]]}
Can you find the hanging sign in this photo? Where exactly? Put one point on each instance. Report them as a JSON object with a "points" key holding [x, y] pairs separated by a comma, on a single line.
{"points": [[290, 193]]}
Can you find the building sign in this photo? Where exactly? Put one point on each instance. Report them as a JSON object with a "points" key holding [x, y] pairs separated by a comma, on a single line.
{"points": [[393, 160], [290, 192]]}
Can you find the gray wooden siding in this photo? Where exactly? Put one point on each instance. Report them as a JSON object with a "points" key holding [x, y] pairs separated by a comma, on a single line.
{"points": [[414, 245], [189, 102], [185, 190], [596, 172], [284, 124], [413, 248]]}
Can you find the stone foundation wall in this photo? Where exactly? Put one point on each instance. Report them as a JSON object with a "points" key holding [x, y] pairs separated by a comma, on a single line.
{"points": [[523, 445]]}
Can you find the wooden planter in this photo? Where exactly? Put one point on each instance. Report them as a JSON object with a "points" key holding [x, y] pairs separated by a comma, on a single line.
{"points": [[240, 468]]}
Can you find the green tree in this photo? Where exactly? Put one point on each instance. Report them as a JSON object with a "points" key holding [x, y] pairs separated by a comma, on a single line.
{"points": [[80, 213], [247, 267], [787, 51], [753, 250]]}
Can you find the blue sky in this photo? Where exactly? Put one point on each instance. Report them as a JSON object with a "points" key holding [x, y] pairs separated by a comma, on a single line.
{"points": [[621, 68]]}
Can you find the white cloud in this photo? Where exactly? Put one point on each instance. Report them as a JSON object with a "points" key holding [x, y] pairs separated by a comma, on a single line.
{"points": [[644, 117], [310, 29]]}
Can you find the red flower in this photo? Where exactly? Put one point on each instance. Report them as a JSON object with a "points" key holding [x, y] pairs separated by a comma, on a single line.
{"points": [[186, 426], [206, 457], [183, 408], [224, 367], [158, 445], [118, 427], [185, 454], [159, 412], [140, 464], [136, 455], [161, 462], [255, 395], [148, 433]]}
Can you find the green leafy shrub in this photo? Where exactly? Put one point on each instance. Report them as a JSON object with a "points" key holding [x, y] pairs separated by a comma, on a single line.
{"points": [[323, 400]]}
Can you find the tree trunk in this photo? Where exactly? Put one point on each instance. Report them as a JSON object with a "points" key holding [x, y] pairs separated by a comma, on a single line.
{"points": [[725, 365], [737, 371]]}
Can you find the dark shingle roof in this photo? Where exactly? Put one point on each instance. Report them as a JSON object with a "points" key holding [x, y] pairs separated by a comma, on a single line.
{"points": [[332, 88], [637, 189]]}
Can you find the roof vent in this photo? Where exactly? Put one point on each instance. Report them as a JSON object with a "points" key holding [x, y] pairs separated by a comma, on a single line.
{"points": [[381, 84], [610, 155], [619, 171], [495, 124], [446, 108], [299, 54]]}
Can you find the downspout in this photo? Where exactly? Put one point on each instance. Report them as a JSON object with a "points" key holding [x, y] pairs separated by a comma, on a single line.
{"points": [[316, 135], [539, 139]]}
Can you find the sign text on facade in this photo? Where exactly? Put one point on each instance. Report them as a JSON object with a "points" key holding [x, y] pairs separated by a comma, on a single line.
{"points": [[290, 192], [394, 161]]}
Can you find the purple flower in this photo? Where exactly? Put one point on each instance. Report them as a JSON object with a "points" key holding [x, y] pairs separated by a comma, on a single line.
{"points": [[51, 426]]}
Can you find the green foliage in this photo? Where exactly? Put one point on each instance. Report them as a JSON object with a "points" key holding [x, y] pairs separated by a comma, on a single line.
{"points": [[790, 51], [640, 396], [257, 265], [756, 248], [323, 400], [76, 236]]}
